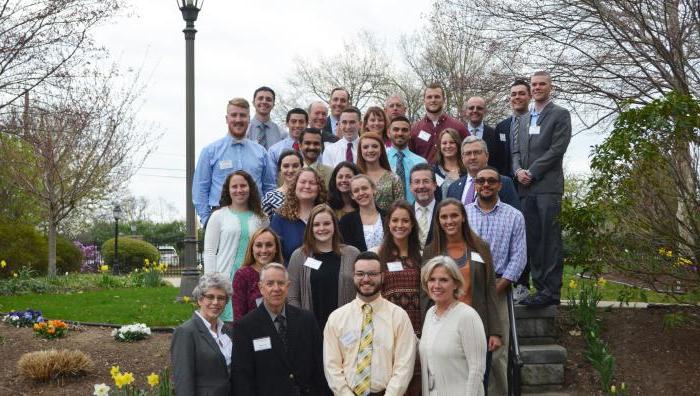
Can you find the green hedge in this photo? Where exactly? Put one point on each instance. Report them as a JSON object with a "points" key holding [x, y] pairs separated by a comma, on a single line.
{"points": [[22, 245], [132, 253]]}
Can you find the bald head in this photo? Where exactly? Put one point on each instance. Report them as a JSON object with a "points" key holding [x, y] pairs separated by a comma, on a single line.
{"points": [[474, 110], [318, 111]]}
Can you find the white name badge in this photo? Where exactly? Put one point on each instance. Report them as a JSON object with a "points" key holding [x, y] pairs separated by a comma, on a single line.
{"points": [[262, 344], [439, 179], [258, 301], [534, 130], [394, 266], [423, 135], [313, 263], [348, 338], [477, 257], [503, 137], [225, 164]]}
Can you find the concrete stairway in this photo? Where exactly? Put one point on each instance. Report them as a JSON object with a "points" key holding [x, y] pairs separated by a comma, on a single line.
{"points": [[544, 360]]}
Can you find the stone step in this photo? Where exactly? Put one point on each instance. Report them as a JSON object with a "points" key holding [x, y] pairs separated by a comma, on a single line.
{"points": [[543, 354], [542, 374], [524, 312], [534, 392]]}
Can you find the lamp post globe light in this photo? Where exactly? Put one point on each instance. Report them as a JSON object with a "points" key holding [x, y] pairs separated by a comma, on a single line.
{"points": [[190, 274], [117, 212]]}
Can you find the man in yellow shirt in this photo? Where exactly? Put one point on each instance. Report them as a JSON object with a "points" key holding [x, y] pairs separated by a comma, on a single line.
{"points": [[369, 347]]}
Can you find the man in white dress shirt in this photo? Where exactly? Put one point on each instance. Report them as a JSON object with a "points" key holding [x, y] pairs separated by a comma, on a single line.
{"points": [[345, 149], [423, 186]]}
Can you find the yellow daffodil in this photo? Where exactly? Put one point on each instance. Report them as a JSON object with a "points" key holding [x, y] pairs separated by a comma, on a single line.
{"points": [[602, 282], [613, 389], [3, 264], [662, 251], [146, 262], [123, 379], [669, 253], [186, 299], [14, 274], [153, 379], [572, 284], [104, 268], [146, 270], [114, 371]]}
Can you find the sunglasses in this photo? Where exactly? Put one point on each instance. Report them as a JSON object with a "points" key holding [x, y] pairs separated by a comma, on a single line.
{"points": [[484, 180]]}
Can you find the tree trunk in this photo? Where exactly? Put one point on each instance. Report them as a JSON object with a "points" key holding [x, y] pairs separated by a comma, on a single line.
{"points": [[52, 246]]}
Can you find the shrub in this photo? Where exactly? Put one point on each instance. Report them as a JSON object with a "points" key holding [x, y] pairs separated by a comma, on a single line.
{"points": [[53, 364], [22, 245], [132, 253]]}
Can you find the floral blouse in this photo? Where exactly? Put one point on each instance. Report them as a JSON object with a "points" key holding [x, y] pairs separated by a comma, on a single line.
{"points": [[389, 189]]}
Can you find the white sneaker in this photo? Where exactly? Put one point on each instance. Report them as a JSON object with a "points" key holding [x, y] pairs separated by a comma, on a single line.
{"points": [[519, 293]]}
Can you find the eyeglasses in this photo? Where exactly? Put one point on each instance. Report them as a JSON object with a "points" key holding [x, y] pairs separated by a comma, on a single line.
{"points": [[470, 153], [211, 298], [483, 180], [362, 274], [475, 107]]}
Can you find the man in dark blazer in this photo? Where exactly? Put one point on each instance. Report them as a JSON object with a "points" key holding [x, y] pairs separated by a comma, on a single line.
{"points": [[340, 100], [519, 100], [473, 111], [318, 118], [538, 154], [277, 348], [427, 194], [475, 157]]}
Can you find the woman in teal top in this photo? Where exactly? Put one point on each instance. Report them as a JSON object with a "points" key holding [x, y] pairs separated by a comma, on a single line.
{"points": [[229, 228]]}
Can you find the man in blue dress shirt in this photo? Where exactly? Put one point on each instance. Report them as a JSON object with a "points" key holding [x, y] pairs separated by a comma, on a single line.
{"points": [[226, 155], [401, 159]]}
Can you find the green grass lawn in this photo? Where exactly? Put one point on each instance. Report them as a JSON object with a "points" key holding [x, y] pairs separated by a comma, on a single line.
{"points": [[152, 306]]}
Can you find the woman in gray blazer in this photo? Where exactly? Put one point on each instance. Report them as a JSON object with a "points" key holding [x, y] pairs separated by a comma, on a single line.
{"points": [[200, 351], [321, 270]]}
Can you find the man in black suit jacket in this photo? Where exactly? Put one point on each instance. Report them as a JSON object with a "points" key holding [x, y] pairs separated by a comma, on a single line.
{"points": [[474, 111], [424, 187], [519, 100], [538, 155], [318, 118], [277, 348], [475, 157], [340, 100]]}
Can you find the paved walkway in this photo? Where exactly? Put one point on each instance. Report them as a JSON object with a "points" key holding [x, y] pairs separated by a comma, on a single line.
{"points": [[173, 280]]}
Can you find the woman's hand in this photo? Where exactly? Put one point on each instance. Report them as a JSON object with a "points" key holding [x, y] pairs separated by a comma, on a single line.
{"points": [[494, 343]]}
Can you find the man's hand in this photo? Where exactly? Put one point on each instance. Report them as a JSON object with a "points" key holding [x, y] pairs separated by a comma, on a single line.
{"points": [[523, 177], [502, 285], [494, 343]]}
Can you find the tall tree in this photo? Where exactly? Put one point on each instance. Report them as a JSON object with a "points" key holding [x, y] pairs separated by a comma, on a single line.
{"points": [[83, 141], [41, 39]]}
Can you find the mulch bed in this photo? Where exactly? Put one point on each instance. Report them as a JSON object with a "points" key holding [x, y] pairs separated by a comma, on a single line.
{"points": [[649, 359]]}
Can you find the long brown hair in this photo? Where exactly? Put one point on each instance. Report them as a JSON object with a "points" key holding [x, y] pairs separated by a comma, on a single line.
{"points": [[388, 251], [439, 243], [379, 112], [290, 208], [254, 204], [248, 259], [439, 159], [383, 158], [309, 244]]}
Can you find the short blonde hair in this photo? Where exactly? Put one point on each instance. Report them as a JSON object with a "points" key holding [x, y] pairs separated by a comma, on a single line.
{"points": [[450, 266], [238, 102]]}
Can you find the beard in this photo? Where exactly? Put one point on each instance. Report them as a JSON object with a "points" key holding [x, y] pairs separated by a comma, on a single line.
{"points": [[376, 288]]}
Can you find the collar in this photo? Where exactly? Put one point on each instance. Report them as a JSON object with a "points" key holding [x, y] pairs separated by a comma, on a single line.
{"points": [[376, 304], [533, 110], [232, 140], [430, 207], [479, 127], [273, 316], [354, 142], [219, 323], [495, 207], [440, 119]]}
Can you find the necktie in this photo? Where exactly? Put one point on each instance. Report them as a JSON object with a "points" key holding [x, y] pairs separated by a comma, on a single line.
{"points": [[348, 153], [515, 126], [295, 146], [423, 225], [400, 170], [261, 134], [470, 193], [364, 356], [282, 329]]}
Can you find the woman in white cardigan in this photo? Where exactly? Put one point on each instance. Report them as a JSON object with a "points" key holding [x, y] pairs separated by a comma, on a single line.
{"points": [[452, 348], [229, 228]]}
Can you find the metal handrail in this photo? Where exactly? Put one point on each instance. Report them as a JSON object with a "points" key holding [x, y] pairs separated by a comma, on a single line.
{"points": [[515, 362]]}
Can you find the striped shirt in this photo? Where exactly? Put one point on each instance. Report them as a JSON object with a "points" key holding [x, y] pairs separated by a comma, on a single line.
{"points": [[504, 230]]}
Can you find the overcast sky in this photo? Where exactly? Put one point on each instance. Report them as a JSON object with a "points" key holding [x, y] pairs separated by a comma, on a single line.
{"points": [[239, 47]]}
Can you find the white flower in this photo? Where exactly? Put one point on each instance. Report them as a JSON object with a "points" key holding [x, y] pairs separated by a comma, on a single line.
{"points": [[14, 318], [101, 390], [121, 336]]}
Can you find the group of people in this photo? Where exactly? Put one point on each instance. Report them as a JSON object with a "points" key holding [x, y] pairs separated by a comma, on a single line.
{"points": [[369, 256]]}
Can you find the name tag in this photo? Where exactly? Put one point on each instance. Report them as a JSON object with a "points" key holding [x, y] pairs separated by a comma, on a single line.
{"points": [[348, 338], [503, 137], [534, 130], [262, 344], [439, 179], [395, 266], [258, 301], [423, 135], [225, 164], [477, 257], [313, 263]]}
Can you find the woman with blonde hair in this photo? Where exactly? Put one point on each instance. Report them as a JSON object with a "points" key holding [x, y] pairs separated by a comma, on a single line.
{"points": [[321, 270], [363, 227], [373, 162], [264, 248]]}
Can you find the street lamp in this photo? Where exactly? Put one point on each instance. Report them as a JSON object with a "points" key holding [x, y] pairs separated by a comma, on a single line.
{"points": [[117, 212], [190, 274]]}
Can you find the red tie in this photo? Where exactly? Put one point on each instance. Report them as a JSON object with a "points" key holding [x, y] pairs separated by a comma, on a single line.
{"points": [[348, 152], [295, 146]]}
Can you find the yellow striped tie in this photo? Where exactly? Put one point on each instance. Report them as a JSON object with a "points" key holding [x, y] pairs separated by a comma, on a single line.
{"points": [[364, 355]]}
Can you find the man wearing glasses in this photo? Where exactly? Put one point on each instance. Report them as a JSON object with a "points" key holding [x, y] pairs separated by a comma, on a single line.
{"points": [[475, 156], [369, 347], [473, 112], [503, 227]]}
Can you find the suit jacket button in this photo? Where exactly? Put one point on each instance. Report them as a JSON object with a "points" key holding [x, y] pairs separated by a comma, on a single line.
{"points": [[291, 376]]}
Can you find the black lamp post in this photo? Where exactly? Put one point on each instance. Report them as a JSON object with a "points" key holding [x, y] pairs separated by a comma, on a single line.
{"points": [[190, 274], [117, 212]]}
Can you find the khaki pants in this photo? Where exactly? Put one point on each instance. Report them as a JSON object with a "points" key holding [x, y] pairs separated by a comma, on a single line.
{"points": [[498, 376]]}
